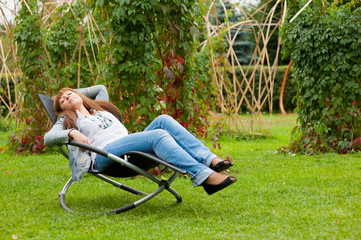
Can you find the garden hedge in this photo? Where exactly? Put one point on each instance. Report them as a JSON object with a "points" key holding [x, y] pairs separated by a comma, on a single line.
{"points": [[324, 43]]}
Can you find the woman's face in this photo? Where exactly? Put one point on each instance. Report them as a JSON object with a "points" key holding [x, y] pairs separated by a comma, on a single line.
{"points": [[70, 101]]}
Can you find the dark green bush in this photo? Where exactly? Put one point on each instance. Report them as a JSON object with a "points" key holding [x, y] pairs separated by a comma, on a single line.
{"points": [[152, 68], [324, 43]]}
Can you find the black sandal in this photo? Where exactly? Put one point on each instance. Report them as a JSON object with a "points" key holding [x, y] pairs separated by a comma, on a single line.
{"points": [[221, 166], [210, 189]]}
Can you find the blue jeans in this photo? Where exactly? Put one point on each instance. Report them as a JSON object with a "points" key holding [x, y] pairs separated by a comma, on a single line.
{"points": [[171, 142]]}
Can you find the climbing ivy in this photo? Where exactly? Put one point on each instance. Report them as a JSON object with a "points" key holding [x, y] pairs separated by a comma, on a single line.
{"points": [[324, 43], [31, 60], [152, 66]]}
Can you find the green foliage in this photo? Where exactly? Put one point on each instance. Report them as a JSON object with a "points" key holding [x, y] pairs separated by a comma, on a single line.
{"points": [[143, 51], [324, 44], [152, 67], [61, 40], [30, 58]]}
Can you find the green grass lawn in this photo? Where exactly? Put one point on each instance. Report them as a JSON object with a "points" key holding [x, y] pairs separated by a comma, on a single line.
{"points": [[276, 197]]}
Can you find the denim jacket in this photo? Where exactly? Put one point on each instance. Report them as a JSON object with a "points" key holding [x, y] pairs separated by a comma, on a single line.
{"points": [[79, 161]]}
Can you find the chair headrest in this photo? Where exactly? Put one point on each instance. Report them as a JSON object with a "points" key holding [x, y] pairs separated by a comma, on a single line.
{"points": [[48, 105]]}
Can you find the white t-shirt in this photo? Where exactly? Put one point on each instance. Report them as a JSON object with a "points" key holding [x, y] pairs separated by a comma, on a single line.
{"points": [[101, 129]]}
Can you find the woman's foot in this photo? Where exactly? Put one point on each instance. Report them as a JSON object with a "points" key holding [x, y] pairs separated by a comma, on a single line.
{"points": [[218, 165], [216, 182]]}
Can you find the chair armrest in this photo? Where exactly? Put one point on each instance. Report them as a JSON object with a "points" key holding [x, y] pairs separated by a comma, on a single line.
{"points": [[88, 147], [152, 157]]}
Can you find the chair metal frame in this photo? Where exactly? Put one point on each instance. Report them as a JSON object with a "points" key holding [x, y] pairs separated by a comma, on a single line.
{"points": [[126, 161]]}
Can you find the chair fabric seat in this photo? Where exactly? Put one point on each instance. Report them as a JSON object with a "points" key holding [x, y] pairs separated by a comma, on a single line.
{"points": [[118, 170], [146, 161]]}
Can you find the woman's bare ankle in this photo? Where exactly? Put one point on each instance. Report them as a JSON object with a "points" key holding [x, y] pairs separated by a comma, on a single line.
{"points": [[215, 178], [215, 161]]}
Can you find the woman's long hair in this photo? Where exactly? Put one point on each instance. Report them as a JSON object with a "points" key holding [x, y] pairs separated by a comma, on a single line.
{"points": [[89, 104]]}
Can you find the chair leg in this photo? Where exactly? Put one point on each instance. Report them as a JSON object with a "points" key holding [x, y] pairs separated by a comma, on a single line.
{"points": [[117, 184], [148, 175], [172, 191], [151, 195], [163, 184], [62, 195], [129, 189]]}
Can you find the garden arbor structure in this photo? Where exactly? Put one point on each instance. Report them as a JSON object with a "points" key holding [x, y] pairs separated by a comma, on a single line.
{"points": [[244, 92]]}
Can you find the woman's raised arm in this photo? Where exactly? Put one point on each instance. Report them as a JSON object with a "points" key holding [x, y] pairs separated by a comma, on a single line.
{"points": [[98, 92], [57, 134]]}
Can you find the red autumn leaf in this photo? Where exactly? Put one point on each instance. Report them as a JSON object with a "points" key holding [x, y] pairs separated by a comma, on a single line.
{"points": [[200, 129], [357, 144], [19, 150], [197, 108], [181, 60], [25, 141], [38, 147], [167, 61], [172, 94], [184, 124]]}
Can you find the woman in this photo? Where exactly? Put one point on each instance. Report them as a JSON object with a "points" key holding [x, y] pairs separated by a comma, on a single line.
{"points": [[95, 122]]}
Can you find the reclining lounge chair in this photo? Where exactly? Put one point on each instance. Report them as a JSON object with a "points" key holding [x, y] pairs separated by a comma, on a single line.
{"points": [[128, 165]]}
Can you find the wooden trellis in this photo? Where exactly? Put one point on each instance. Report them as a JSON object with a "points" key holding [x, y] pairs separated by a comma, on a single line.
{"points": [[233, 91], [9, 75]]}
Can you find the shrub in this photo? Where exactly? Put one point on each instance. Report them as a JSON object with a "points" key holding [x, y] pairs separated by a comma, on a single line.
{"points": [[324, 44]]}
